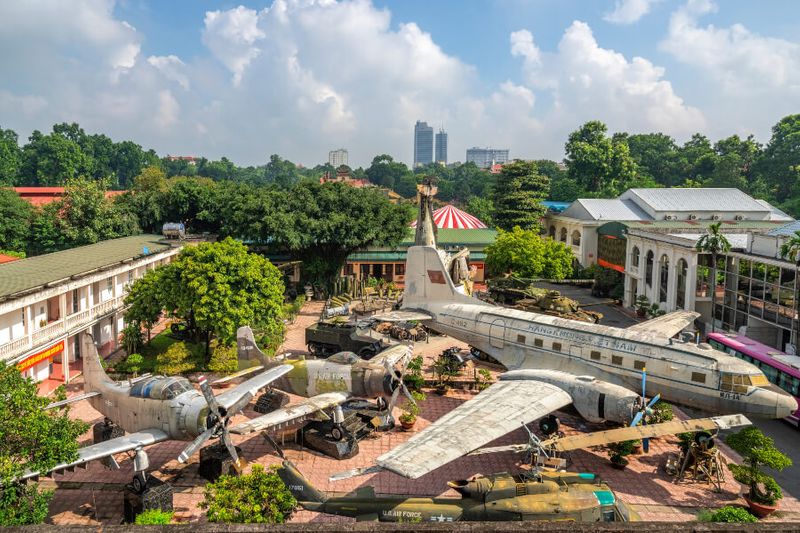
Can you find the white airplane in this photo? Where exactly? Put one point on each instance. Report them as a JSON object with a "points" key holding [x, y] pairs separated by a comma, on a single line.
{"points": [[553, 362]]}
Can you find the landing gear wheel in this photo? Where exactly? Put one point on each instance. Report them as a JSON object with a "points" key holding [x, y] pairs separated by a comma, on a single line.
{"points": [[549, 425], [314, 349], [138, 483], [337, 433]]}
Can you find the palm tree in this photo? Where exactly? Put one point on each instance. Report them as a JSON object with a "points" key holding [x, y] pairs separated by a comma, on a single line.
{"points": [[791, 250], [714, 243]]}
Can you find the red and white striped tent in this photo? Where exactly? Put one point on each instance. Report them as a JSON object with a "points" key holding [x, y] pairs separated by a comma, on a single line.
{"points": [[449, 217]]}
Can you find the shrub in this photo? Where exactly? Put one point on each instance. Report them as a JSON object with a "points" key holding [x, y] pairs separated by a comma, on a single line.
{"points": [[413, 377], [259, 497], [727, 514], [22, 505], [153, 517], [132, 364], [224, 359], [176, 360], [662, 412], [757, 451], [132, 338]]}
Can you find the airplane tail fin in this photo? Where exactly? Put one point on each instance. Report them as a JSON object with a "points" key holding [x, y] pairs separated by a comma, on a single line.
{"points": [[427, 279], [248, 352], [300, 487], [93, 371]]}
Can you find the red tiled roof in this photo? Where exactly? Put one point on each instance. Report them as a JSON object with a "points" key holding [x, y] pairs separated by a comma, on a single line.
{"points": [[7, 258], [44, 195]]}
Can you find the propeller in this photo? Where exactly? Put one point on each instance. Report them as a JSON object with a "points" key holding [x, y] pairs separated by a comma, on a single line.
{"points": [[217, 422], [399, 384], [646, 409]]}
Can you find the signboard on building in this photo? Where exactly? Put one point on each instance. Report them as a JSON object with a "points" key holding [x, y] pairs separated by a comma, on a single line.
{"points": [[45, 355]]}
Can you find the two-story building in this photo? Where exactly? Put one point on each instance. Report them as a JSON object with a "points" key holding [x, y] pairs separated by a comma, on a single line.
{"points": [[48, 300]]}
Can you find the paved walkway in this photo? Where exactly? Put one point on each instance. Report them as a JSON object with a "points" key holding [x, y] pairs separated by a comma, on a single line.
{"points": [[94, 496]]}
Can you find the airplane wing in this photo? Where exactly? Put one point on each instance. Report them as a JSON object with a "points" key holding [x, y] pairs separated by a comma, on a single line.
{"points": [[252, 385], [393, 355], [108, 448], [291, 413], [666, 325], [402, 316], [499, 409]]}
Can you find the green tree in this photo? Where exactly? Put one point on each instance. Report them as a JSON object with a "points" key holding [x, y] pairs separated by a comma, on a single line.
{"points": [[790, 250], [33, 439], [780, 164], [481, 208], [527, 254], [218, 287], [10, 157], [144, 301], [259, 497], [713, 242], [177, 359], [657, 156], [15, 220], [518, 196], [193, 201], [384, 171], [757, 451], [281, 172], [599, 164], [698, 158], [53, 159]]}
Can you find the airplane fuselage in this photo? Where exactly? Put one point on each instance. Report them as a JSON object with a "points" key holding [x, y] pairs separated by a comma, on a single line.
{"points": [[684, 373]]}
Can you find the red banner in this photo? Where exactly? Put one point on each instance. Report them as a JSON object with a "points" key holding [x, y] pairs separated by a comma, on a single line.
{"points": [[44, 355]]}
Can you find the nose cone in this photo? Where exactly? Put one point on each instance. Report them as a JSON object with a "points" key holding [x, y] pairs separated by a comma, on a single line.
{"points": [[785, 404]]}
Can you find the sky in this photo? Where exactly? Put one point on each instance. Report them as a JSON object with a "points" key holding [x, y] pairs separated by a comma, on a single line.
{"points": [[302, 77]]}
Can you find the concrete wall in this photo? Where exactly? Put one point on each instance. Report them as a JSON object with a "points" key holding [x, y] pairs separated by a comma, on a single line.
{"points": [[11, 326]]}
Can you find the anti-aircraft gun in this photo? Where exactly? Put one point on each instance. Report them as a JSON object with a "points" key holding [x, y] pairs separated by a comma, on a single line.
{"points": [[521, 294]]}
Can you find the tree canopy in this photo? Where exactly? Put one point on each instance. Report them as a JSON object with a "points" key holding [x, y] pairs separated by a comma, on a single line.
{"points": [[526, 254], [15, 220], [518, 196]]}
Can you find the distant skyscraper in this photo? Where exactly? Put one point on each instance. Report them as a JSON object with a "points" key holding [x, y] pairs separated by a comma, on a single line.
{"points": [[441, 147], [337, 158], [486, 157], [423, 144]]}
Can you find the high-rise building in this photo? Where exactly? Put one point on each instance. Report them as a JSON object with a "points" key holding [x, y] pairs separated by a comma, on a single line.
{"points": [[337, 158], [423, 144], [441, 147], [486, 157]]}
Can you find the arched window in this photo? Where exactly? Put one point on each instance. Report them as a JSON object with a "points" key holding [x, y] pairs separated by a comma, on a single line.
{"points": [[680, 300], [635, 256], [576, 238], [563, 235], [663, 278], [648, 268], [552, 232]]}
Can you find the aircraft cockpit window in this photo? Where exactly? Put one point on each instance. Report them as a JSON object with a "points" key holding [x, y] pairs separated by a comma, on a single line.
{"points": [[609, 516], [175, 389], [160, 388], [735, 382], [345, 358]]}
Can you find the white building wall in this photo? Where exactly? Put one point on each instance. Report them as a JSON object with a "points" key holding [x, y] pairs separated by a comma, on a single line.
{"points": [[12, 326]]}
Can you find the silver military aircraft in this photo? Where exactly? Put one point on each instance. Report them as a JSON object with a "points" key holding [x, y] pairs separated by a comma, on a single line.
{"points": [[325, 384], [553, 362], [153, 409]]}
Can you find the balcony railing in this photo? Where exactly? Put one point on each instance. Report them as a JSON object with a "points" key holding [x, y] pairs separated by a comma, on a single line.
{"points": [[57, 329]]}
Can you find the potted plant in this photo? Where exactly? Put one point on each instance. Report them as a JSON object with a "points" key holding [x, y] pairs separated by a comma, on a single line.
{"points": [[618, 451], [757, 451], [655, 310], [642, 305], [411, 411], [446, 367]]}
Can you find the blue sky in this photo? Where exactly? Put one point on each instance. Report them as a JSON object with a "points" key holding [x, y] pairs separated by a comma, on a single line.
{"points": [[301, 77]]}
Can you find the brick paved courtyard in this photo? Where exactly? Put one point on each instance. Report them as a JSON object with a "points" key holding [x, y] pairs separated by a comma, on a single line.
{"points": [[94, 495]]}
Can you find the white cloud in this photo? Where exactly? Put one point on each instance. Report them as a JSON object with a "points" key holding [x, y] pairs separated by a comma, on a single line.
{"points": [[172, 68], [629, 11], [737, 58], [522, 45], [231, 36], [168, 109]]}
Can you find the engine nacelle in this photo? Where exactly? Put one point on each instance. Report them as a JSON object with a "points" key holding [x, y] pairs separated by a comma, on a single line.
{"points": [[595, 400]]}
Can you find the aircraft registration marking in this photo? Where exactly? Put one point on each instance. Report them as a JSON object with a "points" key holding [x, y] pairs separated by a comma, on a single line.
{"points": [[730, 395]]}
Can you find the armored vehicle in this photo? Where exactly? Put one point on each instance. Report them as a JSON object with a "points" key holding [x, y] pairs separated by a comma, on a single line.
{"points": [[499, 497], [521, 294], [328, 337]]}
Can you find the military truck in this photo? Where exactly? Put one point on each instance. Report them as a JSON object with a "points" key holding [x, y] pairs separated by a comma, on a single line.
{"points": [[328, 337], [521, 294]]}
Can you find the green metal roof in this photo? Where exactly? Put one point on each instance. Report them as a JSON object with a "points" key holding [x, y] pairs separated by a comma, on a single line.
{"points": [[396, 257], [25, 274], [445, 237]]}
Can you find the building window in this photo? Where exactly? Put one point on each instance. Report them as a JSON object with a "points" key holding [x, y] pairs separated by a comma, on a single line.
{"points": [[110, 284], [680, 299], [76, 303], [400, 269], [521, 339], [130, 276], [638, 365], [576, 238], [595, 355], [538, 343], [648, 268], [23, 317], [635, 256], [556, 346], [663, 278], [616, 360], [698, 377], [552, 232], [563, 236]]}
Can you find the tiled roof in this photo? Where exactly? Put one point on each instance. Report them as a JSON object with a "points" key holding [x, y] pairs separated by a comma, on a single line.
{"points": [[703, 199], [603, 209], [37, 271], [775, 213], [787, 230]]}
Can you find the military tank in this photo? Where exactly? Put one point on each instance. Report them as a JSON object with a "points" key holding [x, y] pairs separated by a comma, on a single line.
{"points": [[520, 294]]}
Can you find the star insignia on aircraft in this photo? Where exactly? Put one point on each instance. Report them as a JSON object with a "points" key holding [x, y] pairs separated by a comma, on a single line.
{"points": [[441, 518]]}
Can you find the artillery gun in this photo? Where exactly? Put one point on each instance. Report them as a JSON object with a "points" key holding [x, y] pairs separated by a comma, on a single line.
{"points": [[520, 294]]}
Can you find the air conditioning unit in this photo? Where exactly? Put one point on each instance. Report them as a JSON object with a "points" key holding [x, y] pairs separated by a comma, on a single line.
{"points": [[692, 217], [670, 217], [715, 217], [739, 217]]}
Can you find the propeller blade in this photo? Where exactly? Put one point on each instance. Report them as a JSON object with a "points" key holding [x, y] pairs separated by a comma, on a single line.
{"points": [[654, 400], [211, 400], [408, 393], [645, 444], [226, 439], [274, 444], [644, 382], [393, 399], [637, 419], [195, 445], [519, 448], [239, 405], [355, 472]]}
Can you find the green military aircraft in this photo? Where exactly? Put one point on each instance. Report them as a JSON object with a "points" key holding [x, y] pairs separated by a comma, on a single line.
{"points": [[499, 497]]}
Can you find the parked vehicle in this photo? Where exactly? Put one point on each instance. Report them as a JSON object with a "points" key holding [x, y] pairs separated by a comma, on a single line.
{"points": [[328, 337]]}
